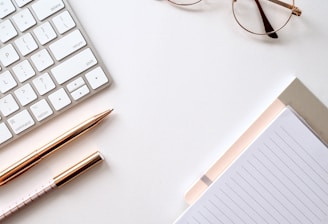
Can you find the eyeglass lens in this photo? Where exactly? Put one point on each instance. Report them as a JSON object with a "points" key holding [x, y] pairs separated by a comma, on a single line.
{"points": [[184, 2], [256, 16], [261, 16]]}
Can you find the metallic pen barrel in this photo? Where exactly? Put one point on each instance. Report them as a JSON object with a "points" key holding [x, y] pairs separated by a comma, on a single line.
{"points": [[58, 181], [78, 169], [30, 160]]}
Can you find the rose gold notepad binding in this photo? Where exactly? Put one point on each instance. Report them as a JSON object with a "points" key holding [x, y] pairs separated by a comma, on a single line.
{"points": [[295, 95]]}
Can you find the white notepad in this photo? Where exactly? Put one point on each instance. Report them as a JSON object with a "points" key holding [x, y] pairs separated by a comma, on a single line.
{"points": [[281, 177]]}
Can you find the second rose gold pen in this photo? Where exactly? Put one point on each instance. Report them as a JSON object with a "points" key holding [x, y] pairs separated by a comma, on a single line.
{"points": [[33, 158], [56, 182]]}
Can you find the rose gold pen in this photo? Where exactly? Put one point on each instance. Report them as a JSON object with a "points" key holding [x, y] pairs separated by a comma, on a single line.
{"points": [[33, 158], [57, 181]]}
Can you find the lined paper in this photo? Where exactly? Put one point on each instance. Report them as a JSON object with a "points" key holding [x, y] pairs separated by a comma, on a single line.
{"points": [[282, 177]]}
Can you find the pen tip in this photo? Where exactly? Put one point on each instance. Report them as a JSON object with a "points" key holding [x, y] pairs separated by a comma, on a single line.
{"points": [[107, 112], [101, 116], [104, 114]]}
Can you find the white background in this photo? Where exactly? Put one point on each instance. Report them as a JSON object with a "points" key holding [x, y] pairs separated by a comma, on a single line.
{"points": [[187, 83]]}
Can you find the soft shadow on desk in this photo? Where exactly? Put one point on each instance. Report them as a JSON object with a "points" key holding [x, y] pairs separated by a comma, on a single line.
{"points": [[290, 33], [293, 33], [297, 31], [205, 5], [306, 29]]}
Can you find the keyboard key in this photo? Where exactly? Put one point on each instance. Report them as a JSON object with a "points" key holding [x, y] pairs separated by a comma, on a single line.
{"points": [[42, 60], [63, 22], [7, 82], [41, 110], [5, 134], [21, 3], [23, 71], [96, 78], [24, 20], [45, 58], [7, 31], [26, 44], [81, 92], [8, 55], [59, 99], [21, 121], [43, 84], [75, 84], [45, 33], [25, 94], [6, 8], [8, 105], [45, 8], [67, 45], [74, 66]]}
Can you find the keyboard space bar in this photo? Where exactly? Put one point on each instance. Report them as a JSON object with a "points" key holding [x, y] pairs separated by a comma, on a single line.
{"points": [[74, 66]]}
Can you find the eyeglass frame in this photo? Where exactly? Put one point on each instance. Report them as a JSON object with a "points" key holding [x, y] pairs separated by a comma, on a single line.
{"points": [[268, 28]]}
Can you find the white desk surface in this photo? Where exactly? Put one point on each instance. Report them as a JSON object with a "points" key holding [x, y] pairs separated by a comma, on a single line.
{"points": [[187, 83]]}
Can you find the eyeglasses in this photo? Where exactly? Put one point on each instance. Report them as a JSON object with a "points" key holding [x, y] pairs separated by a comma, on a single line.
{"points": [[261, 17]]}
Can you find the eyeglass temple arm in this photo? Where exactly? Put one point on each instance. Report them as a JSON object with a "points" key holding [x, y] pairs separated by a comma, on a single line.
{"points": [[295, 10], [267, 26]]}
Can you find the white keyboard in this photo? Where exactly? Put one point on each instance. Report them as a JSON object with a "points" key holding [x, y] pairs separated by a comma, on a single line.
{"points": [[47, 64]]}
